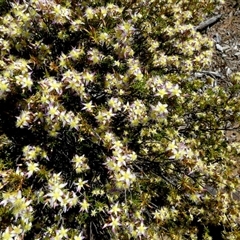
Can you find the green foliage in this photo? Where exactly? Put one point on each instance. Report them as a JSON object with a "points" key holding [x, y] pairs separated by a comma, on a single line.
{"points": [[109, 134]]}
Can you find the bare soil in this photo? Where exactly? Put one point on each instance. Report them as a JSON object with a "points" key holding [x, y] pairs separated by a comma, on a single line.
{"points": [[226, 59], [226, 33]]}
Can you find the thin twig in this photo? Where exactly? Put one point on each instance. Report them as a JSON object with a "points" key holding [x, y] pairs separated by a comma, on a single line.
{"points": [[211, 73]]}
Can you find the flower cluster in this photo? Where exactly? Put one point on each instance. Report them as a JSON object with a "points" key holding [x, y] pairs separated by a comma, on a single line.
{"points": [[120, 139], [20, 208], [59, 196], [80, 163], [137, 113]]}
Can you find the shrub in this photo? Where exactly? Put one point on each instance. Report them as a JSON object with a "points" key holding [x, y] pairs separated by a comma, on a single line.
{"points": [[107, 133]]}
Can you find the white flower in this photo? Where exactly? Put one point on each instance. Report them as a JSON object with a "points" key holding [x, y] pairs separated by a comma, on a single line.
{"points": [[160, 108], [127, 176], [88, 77], [172, 146], [141, 230], [115, 104], [54, 85], [79, 237], [115, 209], [23, 119], [121, 160], [88, 106], [26, 82], [175, 91], [84, 205], [62, 232], [80, 184], [89, 13], [7, 234], [16, 230], [53, 111], [6, 198], [55, 195], [115, 222], [4, 85], [79, 160], [32, 167]]}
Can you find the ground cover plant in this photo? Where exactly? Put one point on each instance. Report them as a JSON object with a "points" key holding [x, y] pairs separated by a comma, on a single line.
{"points": [[106, 133]]}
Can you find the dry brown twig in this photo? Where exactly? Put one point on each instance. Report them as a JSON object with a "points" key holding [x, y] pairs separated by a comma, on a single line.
{"points": [[209, 22]]}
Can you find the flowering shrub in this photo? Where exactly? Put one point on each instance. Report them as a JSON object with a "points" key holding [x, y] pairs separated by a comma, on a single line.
{"points": [[107, 133]]}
